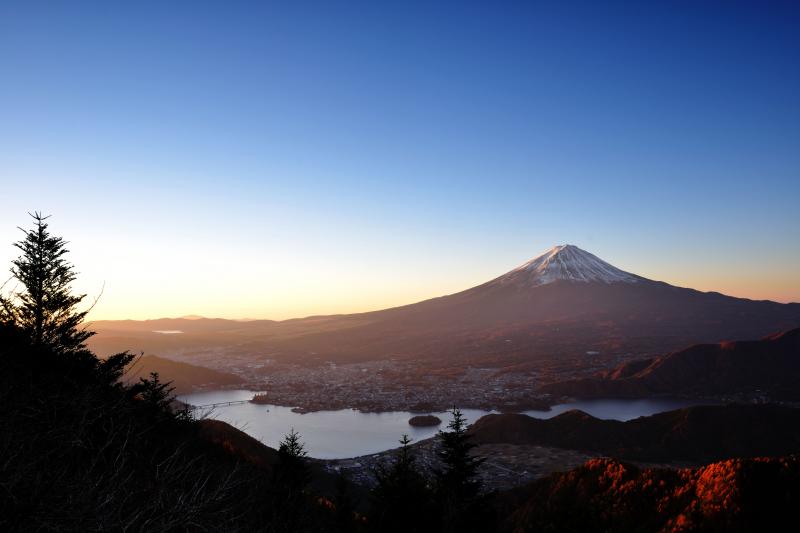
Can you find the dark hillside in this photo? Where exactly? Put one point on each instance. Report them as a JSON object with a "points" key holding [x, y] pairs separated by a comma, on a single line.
{"points": [[184, 377], [698, 434], [81, 452]]}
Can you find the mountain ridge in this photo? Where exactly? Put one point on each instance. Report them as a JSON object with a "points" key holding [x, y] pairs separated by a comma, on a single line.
{"points": [[771, 365], [696, 434]]}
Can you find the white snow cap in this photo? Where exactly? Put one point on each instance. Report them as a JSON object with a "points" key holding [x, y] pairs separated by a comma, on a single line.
{"points": [[570, 263]]}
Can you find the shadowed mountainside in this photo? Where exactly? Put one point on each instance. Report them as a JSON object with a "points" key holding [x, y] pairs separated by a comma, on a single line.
{"points": [[696, 434], [237, 443], [80, 451], [184, 377], [771, 365]]}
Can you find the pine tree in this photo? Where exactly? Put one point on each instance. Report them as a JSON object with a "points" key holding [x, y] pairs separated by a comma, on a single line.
{"points": [[457, 484], [45, 308], [44, 311], [291, 476], [292, 446], [460, 467], [155, 393], [291, 469], [402, 500]]}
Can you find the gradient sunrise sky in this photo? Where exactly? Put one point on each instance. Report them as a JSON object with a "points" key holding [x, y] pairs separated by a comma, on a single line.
{"points": [[238, 159]]}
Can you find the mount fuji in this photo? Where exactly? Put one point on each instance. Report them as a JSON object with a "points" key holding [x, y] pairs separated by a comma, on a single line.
{"points": [[566, 263], [564, 309]]}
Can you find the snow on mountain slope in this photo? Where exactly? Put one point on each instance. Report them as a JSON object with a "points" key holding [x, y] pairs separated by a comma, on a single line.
{"points": [[567, 263]]}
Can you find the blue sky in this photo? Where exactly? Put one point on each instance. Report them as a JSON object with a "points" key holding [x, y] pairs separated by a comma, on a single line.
{"points": [[241, 159]]}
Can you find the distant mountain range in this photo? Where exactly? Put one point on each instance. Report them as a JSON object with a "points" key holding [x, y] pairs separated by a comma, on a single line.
{"points": [[547, 313]]}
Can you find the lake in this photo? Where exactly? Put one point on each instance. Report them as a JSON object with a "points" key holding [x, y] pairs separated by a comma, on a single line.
{"points": [[349, 433]]}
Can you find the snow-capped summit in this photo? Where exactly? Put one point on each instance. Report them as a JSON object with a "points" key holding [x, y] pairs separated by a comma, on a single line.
{"points": [[569, 263]]}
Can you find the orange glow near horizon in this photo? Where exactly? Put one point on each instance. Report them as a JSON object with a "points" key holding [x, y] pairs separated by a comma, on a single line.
{"points": [[287, 302], [184, 274]]}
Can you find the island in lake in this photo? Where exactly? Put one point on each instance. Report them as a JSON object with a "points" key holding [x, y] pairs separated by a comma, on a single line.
{"points": [[424, 421]]}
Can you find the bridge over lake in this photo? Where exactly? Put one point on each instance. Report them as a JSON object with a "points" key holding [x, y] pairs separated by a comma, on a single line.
{"points": [[218, 404]]}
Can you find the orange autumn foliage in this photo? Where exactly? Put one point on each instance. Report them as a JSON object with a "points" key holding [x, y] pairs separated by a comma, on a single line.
{"points": [[609, 495]]}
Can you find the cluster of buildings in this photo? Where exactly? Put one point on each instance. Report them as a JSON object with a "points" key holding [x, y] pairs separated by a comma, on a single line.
{"points": [[505, 465], [394, 386]]}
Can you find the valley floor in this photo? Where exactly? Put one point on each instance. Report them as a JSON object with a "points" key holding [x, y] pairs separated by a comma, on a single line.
{"points": [[506, 465]]}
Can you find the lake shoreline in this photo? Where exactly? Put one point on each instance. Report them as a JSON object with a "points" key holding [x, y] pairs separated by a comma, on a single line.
{"points": [[534, 404], [347, 433], [539, 405]]}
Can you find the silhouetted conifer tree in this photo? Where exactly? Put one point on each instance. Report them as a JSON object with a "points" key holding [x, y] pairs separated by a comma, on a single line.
{"points": [[45, 308], [402, 500], [291, 477], [460, 467], [457, 484], [156, 393], [291, 460], [80, 451]]}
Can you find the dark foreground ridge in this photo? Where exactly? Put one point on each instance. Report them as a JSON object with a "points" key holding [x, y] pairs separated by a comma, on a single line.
{"points": [[82, 452], [695, 434]]}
